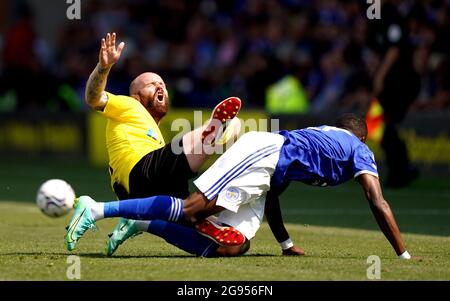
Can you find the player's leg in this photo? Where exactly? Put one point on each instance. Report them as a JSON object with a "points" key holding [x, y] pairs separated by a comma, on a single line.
{"points": [[247, 220], [87, 212], [161, 172], [167, 208], [396, 99], [195, 207], [238, 181], [182, 236], [186, 238], [248, 163], [166, 172], [255, 151], [190, 240], [221, 127]]}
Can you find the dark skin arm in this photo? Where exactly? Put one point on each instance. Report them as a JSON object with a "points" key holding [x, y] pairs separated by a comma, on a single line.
{"points": [[382, 211], [275, 219], [387, 62]]}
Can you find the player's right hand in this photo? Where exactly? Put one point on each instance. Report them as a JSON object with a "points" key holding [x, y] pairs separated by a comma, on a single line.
{"points": [[109, 55], [294, 251]]}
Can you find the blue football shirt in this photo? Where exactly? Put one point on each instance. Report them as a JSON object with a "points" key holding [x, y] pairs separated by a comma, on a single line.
{"points": [[322, 156]]}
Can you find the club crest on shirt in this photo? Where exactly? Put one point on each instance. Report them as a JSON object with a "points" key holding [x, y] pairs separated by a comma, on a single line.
{"points": [[152, 134], [232, 194]]}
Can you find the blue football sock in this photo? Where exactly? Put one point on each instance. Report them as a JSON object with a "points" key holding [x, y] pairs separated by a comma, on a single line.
{"points": [[183, 237], [155, 207]]}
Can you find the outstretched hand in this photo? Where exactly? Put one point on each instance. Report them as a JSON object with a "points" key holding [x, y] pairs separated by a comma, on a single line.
{"points": [[294, 251], [109, 55]]}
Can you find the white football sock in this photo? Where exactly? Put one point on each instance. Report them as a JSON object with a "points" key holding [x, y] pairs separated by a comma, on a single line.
{"points": [[97, 210]]}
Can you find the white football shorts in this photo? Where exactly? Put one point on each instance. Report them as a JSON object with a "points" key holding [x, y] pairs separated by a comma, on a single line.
{"points": [[240, 179]]}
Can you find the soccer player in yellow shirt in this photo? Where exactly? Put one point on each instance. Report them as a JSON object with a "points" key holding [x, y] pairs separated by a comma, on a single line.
{"points": [[140, 163]]}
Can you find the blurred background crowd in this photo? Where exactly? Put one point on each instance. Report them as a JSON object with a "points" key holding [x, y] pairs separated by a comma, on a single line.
{"points": [[324, 53]]}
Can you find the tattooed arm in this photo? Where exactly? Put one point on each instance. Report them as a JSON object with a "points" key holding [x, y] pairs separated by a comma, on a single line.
{"points": [[95, 88]]}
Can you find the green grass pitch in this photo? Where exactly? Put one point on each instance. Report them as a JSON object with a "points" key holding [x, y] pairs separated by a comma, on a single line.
{"points": [[333, 225]]}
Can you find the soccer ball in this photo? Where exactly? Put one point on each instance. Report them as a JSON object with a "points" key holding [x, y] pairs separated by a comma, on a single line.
{"points": [[55, 197]]}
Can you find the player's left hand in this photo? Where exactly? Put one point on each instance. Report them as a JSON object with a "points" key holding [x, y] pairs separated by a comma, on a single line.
{"points": [[294, 251]]}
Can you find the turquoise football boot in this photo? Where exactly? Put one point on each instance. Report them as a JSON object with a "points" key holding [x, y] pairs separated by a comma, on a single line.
{"points": [[125, 228], [81, 221]]}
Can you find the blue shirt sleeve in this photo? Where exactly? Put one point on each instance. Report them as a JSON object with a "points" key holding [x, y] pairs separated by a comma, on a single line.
{"points": [[364, 162]]}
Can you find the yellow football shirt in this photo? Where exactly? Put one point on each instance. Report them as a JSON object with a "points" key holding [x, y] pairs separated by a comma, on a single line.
{"points": [[131, 133]]}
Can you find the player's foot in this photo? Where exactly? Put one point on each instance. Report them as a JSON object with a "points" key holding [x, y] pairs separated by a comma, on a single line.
{"points": [[224, 236], [81, 221], [124, 229], [227, 109], [231, 131]]}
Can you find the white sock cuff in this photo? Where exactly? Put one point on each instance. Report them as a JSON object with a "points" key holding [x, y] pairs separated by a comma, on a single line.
{"points": [[97, 211]]}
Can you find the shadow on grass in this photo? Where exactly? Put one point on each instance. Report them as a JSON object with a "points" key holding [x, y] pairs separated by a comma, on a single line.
{"points": [[103, 256], [91, 255]]}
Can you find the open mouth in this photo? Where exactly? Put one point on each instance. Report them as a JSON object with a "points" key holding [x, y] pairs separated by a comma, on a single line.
{"points": [[160, 96]]}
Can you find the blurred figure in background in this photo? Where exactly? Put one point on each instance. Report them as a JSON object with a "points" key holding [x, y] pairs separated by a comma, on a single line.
{"points": [[210, 49], [396, 84], [19, 59], [29, 79]]}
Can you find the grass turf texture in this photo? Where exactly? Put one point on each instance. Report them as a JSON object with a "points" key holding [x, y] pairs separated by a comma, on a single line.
{"points": [[334, 225]]}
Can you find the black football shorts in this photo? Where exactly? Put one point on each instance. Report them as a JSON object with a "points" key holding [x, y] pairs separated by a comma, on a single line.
{"points": [[160, 172]]}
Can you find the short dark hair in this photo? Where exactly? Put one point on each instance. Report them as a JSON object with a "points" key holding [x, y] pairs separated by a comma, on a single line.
{"points": [[353, 123]]}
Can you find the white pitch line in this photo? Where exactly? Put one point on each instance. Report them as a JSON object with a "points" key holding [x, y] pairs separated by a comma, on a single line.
{"points": [[354, 211]]}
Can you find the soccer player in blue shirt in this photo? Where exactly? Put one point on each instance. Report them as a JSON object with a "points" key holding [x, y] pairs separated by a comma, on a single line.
{"points": [[244, 183]]}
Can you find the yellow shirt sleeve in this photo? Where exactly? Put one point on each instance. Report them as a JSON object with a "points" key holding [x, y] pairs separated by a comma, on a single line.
{"points": [[120, 107]]}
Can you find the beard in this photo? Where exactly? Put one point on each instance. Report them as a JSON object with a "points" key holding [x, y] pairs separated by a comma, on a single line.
{"points": [[158, 109]]}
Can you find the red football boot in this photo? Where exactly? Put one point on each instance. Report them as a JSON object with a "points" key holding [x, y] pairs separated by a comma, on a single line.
{"points": [[224, 111], [223, 235]]}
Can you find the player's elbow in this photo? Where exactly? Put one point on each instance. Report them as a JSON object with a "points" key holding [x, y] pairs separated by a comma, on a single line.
{"points": [[96, 101], [89, 102], [91, 99]]}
